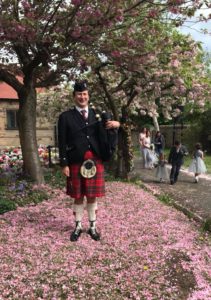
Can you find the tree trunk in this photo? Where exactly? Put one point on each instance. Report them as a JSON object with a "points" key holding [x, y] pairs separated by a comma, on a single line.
{"points": [[125, 151], [155, 123], [27, 132]]}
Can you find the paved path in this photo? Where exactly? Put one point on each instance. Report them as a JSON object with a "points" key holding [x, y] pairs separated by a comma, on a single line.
{"points": [[191, 197]]}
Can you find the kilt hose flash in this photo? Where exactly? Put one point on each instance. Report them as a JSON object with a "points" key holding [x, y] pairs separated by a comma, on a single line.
{"points": [[78, 186]]}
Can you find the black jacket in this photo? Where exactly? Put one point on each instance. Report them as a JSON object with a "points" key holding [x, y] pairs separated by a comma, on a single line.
{"points": [[177, 158], [159, 142], [76, 136]]}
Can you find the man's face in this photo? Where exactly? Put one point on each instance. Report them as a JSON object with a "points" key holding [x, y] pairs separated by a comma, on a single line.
{"points": [[81, 99]]}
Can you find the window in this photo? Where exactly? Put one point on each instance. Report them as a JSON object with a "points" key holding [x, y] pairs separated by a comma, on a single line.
{"points": [[12, 119]]}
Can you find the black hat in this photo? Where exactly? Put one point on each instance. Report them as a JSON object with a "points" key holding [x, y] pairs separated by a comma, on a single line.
{"points": [[80, 86]]}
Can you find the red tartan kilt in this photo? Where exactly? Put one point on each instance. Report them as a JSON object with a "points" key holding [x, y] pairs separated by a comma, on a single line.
{"points": [[78, 186]]}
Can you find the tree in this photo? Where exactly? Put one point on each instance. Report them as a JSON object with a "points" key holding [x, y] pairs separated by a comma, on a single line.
{"points": [[152, 87], [55, 41], [52, 37], [153, 83]]}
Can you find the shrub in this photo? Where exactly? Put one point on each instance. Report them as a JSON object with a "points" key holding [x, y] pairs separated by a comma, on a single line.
{"points": [[207, 225], [55, 178], [165, 199], [6, 205]]}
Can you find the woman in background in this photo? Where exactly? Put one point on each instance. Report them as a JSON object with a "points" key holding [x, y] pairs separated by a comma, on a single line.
{"points": [[142, 136], [159, 143], [149, 155]]}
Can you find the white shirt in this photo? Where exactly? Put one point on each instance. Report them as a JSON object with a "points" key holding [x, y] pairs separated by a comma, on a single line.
{"points": [[147, 142], [141, 138], [85, 108]]}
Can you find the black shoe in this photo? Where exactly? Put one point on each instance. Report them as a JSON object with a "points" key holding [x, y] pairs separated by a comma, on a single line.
{"points": [[172, 182], [75, 234], [94, 234]]}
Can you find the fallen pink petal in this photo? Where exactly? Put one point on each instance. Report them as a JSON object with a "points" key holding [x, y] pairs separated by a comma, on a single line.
{"points": [[148, 251]]}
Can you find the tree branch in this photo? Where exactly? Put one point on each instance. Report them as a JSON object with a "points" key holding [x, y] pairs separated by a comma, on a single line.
{"points": [[53, 14], [11, 80], [135, 5], [108, 96]]}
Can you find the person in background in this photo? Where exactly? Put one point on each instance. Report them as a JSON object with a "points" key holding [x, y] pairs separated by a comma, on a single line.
{"points": [[161, 169], [149, 156], [142, 135], [159, 142], [197, 165], [81, 158], [176, 159]]}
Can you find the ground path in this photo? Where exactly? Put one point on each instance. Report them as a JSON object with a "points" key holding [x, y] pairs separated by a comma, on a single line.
{"points": [[191, 197], [148, 251]]}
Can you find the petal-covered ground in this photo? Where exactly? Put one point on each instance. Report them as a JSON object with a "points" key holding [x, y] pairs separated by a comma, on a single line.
{"points": [[148, 251]]}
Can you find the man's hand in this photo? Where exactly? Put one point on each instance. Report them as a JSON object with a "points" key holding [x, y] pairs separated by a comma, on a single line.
{"points": [[66, 171], [112, 124]]}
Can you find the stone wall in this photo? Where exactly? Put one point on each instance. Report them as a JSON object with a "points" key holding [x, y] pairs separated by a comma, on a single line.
{"points": [[167, 131]]}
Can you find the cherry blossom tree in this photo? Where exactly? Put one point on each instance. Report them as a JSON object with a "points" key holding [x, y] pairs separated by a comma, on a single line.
{"points": [[176, 73], [46, 42], [153, 82]]}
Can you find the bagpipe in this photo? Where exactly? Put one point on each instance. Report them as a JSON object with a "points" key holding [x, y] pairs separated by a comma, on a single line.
{"points": [[108, 137]]}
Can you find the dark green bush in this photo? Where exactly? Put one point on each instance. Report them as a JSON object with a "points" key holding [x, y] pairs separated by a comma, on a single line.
{"points": [[37, 196], [55, 178], [20, 193], [6, 205]]}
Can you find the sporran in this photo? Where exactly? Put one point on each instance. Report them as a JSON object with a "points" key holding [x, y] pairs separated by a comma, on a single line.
{"points": [[88, 169]]}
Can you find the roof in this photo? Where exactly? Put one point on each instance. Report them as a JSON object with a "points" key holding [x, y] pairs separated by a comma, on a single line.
{"points": [[7, 92]]}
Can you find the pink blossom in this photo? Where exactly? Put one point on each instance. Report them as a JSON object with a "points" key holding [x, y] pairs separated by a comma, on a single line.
{"points": [[153, 13], [140, 237], [175, 63], [116, 53], [76, 2]]}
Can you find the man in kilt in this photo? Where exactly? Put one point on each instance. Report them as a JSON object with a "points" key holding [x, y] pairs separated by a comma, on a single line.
{"points": [[81, 158]]}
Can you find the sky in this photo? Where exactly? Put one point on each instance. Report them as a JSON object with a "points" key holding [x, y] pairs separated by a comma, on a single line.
{"points": [[192, 27]]}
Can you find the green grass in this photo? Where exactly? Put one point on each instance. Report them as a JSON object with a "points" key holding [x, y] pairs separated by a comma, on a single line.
{"points": [[165, 199]]}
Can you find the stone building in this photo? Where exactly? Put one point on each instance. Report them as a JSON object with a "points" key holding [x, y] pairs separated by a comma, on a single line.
{"points": [[9, 135]]}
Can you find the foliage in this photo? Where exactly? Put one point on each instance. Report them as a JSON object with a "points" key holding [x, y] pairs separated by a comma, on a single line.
{"points": [[165, 199], [16, 191], [20, 193], [55, 178], [199, 129], [158, 83], [207, 225], [173, 76], [52, 102], [6, 205]]}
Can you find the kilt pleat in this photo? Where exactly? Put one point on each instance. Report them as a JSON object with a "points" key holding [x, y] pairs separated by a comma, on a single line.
{"points": [[78, 186]]}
